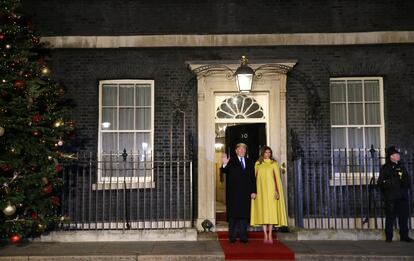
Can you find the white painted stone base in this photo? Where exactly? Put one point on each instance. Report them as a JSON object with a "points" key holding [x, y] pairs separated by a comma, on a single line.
{"points": [[338, 234], [138, 257], [187, 234]]}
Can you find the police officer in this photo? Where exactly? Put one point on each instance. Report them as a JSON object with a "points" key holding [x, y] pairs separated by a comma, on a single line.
{"points": [[394, 183]]}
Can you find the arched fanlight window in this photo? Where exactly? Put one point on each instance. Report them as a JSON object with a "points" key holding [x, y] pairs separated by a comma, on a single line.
{"points": [[240, 107]]}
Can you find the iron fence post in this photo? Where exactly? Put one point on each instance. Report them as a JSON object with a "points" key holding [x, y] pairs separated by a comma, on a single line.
{"points": [[299, 189]]}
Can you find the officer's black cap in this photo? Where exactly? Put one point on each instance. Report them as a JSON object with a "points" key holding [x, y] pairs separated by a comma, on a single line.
{"points": [[391, 150]]}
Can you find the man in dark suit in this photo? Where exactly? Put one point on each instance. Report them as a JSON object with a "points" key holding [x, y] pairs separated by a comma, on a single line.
{"points": [[240, 189], [394, 183]]}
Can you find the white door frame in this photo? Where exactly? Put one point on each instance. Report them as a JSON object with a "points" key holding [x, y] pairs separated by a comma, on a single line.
{"points": [[274, 83]]}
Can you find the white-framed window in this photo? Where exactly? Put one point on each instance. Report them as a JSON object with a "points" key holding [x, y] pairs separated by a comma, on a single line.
{"points": [[357, 123], [126, 121]]}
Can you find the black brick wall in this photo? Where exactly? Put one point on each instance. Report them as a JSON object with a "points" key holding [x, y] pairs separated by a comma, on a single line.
{"points": [[80, 71], [110, 17]]}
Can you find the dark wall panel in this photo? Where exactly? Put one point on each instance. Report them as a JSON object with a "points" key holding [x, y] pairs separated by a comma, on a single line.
{"points": [[307, 92], [110, 17]]}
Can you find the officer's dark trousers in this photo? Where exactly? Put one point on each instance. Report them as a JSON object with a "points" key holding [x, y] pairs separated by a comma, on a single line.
{"points": [[396, 208], [233, 222]]}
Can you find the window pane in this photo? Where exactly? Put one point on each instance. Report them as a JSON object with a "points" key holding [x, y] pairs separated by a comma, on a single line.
{"points": [[109, 142], [143, 145], [126, 95], [372, 137], [143, 95], [109, 120], [338, 91], [338, 138], [355, 115], [126, 141], [232, 104], [143, 119], [338, 114], [371, 90], [126, 119], [143, 142], [109, 95], [372, 113], [355, 138], [354, 91]]}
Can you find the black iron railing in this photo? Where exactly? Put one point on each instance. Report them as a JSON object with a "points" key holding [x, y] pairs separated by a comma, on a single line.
{"points": [[341, 192], [121, 191]]}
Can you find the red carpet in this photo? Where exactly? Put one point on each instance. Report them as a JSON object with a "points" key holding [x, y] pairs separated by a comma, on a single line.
{"points": [[255, 249]]}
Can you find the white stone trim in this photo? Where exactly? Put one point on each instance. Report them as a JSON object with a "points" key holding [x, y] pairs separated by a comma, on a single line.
{"points": [[220, 40], [172, 232]]}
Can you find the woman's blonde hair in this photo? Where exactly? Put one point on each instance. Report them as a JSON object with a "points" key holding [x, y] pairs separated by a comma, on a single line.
{"points": [[262, 152]]}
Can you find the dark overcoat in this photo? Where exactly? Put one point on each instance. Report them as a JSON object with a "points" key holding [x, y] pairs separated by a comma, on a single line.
{"points": [[240, 184], [394, 181]]}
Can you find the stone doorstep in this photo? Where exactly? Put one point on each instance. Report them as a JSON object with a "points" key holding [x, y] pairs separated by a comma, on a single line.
{"points": [[115, 258], [304, 257], [315, 257], [331, 234], [180, 257], [120, 235], [191, 235], [300, 257]]}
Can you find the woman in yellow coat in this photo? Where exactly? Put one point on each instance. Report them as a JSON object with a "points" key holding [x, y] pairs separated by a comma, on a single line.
{"points": [[268, 209]]}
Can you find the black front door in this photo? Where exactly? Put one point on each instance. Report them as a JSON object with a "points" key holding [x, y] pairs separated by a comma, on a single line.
{"points": [[253, 135]]}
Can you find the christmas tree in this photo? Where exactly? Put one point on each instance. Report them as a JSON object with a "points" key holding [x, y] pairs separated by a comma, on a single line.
{"points": [[33, 129]]}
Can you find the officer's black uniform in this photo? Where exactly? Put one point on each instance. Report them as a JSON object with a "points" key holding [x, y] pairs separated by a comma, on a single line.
{"points": [[394, 183]]}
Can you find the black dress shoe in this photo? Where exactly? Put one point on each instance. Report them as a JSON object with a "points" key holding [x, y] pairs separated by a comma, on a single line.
{"points": [[407, 239], [388, 240], [244, 241], [232, 242]]}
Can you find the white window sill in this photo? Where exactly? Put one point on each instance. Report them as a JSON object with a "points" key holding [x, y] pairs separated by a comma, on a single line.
{"points": [[121, 185], [352, 179]]}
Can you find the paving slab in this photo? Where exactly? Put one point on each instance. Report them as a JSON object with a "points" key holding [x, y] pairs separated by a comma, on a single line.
{"points": [[122, 251], [206, 249], [351, 250]]}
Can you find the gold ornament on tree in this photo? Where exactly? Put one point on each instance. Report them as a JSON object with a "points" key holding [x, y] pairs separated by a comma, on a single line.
{"points": [[2, 130], [58, 123], [9, 210], [41, 226], [45, 71]]}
